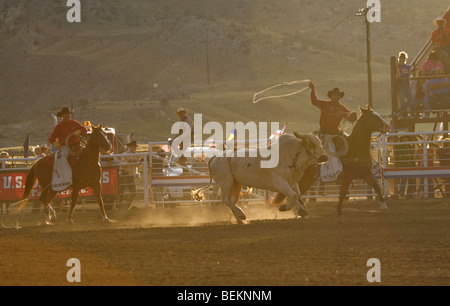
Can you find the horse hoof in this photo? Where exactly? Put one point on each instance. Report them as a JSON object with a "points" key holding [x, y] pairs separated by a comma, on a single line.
{"points": [[302, 213], [282, 208], [242, 222]]}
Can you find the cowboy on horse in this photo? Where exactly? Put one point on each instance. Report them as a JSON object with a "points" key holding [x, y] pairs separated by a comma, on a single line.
{"points": [[332, 112], [66, 127], [65, 139]]}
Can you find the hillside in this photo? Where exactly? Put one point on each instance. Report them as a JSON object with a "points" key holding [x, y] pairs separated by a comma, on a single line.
{"points": [[106, 66]]}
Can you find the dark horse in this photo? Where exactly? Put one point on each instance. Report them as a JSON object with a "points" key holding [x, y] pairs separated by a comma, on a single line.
{"points": [[356, 163], [86, 173]]}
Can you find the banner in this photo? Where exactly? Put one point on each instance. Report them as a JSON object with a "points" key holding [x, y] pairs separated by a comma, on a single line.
{"points": [[12, 186]]}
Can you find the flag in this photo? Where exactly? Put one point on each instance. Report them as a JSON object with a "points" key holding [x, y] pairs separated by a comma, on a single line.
{"points": [[166, 148], [278, 133], [26, 146], [283, 129], [232, 134]]}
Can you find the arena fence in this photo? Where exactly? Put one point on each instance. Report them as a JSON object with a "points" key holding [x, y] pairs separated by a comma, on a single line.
{"points": [[406, 165]]}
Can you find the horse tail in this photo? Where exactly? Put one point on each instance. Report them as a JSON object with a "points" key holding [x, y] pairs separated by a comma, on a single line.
{"points": [[197, 194], [31, 179]]}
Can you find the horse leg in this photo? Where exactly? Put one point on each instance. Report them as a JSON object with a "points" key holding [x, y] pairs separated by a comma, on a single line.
{"points": [[75, 193], [98, 194], [373, 183], [46, 197], [345, 183], [309, 177]]}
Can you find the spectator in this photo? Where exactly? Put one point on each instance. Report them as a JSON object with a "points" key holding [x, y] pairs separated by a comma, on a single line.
{"points": [[5, 164], [44, 149], [422, 163], [403, 88], [437, 92], [107, 161], [430, 65], [443, 57], [127, 181], [182, 114], [38, 152], [404, 158], [419, 95], [157, 163], [441, 34], [443, 156]]}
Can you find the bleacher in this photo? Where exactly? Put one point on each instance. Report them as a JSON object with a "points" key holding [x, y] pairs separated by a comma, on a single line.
{"points": [[438, 110]]}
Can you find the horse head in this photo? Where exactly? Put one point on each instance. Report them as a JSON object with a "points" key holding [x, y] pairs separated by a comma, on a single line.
{"points": [[372, 121], [99, 138]]}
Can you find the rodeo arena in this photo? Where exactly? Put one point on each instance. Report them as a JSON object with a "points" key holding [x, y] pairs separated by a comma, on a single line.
{"points": [[408, 170]]}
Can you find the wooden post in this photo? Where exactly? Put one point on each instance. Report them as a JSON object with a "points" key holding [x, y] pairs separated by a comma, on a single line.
{"points": [[207, 58], [369, 68], [394, 96]]}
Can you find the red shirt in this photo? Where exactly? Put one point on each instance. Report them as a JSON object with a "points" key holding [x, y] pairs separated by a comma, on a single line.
{"points": [[441, 36], [63, 129], [330, 116]]}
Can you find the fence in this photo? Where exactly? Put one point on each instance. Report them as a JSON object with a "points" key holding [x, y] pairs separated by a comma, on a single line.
{"points": [[416, 165], [407, 165]]}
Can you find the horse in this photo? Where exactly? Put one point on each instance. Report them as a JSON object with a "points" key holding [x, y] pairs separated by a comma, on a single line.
{"points": [[356, 163], [86, 172]]}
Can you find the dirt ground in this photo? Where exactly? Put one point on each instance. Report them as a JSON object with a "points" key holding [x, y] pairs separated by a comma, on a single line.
{"points": [[199, 246]]}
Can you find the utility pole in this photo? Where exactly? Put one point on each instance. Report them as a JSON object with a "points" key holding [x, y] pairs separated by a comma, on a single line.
{"points": [[207, 56], [363, 12]]}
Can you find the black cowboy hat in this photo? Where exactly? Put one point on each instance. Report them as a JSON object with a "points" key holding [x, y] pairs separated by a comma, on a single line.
{"points": [[64, 110], [132, 143], [336, 91]]}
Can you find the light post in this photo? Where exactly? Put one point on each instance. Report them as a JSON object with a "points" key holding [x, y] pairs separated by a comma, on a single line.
{"points": [[363, 12]]}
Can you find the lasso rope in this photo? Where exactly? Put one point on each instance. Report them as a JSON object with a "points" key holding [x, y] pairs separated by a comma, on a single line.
{"points": [[329, 139], [15, 226], [255, 100]]}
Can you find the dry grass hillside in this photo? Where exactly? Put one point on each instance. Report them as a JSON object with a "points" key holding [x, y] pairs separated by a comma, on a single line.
{"points": [[105, 67]]}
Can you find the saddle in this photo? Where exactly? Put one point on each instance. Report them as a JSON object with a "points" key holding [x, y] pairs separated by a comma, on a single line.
{"points": [[62, 163], [50, 160], [330, 170]]}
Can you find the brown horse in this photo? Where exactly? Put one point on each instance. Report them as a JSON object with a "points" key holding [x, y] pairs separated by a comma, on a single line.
{"points": [[357, 163], [86, 173]]}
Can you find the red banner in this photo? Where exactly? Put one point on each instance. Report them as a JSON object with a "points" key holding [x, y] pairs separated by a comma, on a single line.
{"points": [[12, 185]]}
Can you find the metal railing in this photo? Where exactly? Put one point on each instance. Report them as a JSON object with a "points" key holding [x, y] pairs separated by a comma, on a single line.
{"points": [[416, 165]]}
